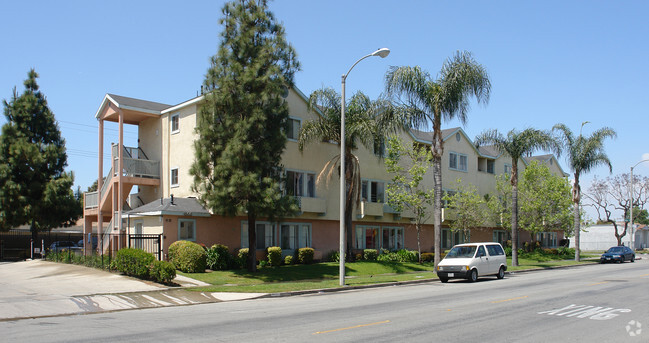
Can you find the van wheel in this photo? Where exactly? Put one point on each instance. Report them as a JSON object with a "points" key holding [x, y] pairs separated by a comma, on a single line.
{"points": [[632, 259], [473, 275], [501, 273], [443, 279]]}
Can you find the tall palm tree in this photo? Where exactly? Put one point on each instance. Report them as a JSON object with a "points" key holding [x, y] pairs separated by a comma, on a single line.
{"points": [[423, 102], [584, 154], [366, 122], [517, 145]]}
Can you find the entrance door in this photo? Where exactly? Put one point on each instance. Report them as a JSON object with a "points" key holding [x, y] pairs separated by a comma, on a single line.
{"points": [[138, 231]]}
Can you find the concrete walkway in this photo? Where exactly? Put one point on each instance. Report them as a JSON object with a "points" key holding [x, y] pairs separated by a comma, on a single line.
{"points": [[40, 288]]}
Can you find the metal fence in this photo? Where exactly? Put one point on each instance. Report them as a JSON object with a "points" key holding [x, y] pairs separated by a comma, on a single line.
{"points": [[16, 244]]}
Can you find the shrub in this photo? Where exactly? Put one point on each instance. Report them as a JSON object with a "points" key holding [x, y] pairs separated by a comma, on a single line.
{"points": [[188, 257], [566, 252], [288, 260], [333, 256], [275, 256], [242, 257], [305, 255], [407, 255], [508, 251], [219, 258], [263, 264], [427, 257], [370, 254], [162, 271], [550, 251], [133, 262]]}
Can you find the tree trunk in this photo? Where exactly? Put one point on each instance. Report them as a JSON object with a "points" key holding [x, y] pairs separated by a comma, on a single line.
{"points": [[437, 151], [418, 242], [252, 242], [576, 194], [514, 182]]}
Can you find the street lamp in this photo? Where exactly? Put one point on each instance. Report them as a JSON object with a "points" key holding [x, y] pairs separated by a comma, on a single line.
{"points": [[383, 52], [631, 204]]}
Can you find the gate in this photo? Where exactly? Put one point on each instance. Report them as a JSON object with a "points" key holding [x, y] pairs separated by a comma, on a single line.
{"points": [[148, 243]]}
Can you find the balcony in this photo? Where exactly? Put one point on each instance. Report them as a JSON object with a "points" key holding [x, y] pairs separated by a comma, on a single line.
{"points": [[371, 209], [312, 205]]}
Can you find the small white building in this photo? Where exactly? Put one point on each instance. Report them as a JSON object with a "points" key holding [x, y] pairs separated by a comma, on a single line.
{"points": [[602, 237]]}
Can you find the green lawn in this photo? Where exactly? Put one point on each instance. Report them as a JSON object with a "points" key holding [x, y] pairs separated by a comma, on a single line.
{"points": [[325, 275]]}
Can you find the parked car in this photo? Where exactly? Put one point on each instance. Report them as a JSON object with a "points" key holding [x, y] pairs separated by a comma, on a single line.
{"points": [[59, 246], [81, 243], [618, 254], [468, 261]]}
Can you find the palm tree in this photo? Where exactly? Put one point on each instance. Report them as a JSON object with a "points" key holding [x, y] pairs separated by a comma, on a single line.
{"points": [[584, 154], [366, 122], [424, 102], [517, 145]]}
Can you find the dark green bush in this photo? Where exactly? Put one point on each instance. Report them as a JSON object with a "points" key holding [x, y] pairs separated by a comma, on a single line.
{"points": [[427, 257], [263, 264], [219, 257], [288, 260], [370, 254], [305, 255], [275, 256], [188, 257], [408, 255], [133, 262], [242, 257], [162, 271]]}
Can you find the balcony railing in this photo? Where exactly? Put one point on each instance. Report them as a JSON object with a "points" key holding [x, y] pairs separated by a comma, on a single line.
{"points": [[312, 205], [140, 168], [92, 200]]}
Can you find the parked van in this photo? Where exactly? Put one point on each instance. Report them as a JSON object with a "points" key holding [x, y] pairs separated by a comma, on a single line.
{"points": [[470, 260]]}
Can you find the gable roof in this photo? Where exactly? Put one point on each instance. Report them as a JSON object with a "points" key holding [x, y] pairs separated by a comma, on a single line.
{"points": [[179, 207]]}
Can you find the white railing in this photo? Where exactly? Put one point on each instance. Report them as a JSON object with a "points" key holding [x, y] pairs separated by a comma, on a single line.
{"points": [[91, 200]]}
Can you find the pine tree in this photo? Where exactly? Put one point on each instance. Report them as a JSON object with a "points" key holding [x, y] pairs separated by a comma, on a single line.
{"points": [[34, 188], [243, 121]]}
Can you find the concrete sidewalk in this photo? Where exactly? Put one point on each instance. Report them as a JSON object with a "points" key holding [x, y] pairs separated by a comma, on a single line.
{"points": [[40, 288]]}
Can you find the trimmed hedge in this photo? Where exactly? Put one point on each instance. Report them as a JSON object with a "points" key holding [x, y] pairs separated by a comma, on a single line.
{"points": [[219, 257], [288, 259], [242, 257], [162, 271], [370, 254], [133, 262], [275, 256], [188, 257], [305, 255]]}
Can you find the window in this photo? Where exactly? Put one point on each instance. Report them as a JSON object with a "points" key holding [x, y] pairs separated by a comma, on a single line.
{"points": [[186, 229], [508, 168], [173, 177], [175, 123], [300, 184], [293, 128], [500, 236], [490, 166], [450, 238], [379, 147], [495, 250], [392, 238], [458, 161], [547, 239], [373, 191], [265, 235], [367, 237], [295, 236]]}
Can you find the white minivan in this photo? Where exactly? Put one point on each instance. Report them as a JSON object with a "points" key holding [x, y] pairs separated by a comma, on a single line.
{"points": [[470, 260]]}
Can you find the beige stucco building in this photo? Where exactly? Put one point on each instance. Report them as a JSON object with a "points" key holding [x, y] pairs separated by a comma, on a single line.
{"points": [[152, 194]]}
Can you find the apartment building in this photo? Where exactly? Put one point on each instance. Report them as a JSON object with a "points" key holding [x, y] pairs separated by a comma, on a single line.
{"points": [[152, 193]]}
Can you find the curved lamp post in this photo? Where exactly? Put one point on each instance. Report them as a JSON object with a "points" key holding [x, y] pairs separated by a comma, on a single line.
{"points": [[383, 52], [631, 204]]}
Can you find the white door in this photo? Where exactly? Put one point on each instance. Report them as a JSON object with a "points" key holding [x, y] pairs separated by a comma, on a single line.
{"points": [[482, 261], [138, 231]]}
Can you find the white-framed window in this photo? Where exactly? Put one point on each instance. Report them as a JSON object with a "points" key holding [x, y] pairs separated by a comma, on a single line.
{"points": [[500, 236], [175, 123], [367, 237], [392, 238], [373, 191], [458, 161], [507, 168], [294, 125], [265, 234], [173, 177], [186, 229], [450, 238], [300, 184], [547, 239], [295, 236]]}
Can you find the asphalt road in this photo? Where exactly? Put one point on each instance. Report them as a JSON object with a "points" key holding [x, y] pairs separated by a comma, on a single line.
{"points": [[599, 303]]}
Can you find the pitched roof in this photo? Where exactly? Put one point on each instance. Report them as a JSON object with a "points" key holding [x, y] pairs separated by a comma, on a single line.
{"points": [[179, 207], [124, 101], [489, 150], [427, 137]]}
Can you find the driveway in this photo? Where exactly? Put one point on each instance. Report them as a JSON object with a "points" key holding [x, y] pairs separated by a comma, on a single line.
{"points": [[40, 288]]}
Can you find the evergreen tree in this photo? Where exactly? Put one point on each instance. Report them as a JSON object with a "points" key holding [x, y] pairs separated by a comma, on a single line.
{"points": [[243, 121], [34, 188]]}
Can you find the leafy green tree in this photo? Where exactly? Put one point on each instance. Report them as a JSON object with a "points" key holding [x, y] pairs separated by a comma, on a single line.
{"points": [[366, 122], [584, 154], [424, 102], [546, 203], [499, 203], [516, 145], [408, 165], [469, 208], [34, 187], [642, 216], [243, 120]]}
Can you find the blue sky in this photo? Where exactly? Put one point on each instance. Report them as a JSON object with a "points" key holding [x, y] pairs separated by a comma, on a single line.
{"points": [[549, 61]]}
